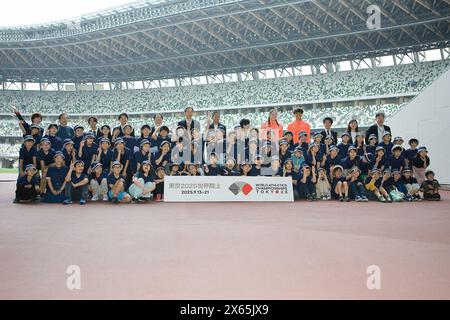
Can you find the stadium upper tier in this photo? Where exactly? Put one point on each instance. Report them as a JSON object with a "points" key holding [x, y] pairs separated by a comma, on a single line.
{"points": [[176, 38], [350, 85]]}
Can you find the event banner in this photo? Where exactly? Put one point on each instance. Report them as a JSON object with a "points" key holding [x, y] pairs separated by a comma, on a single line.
{"points": [[228, 189]]}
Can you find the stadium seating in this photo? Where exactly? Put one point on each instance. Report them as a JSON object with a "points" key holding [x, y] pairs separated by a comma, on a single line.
{"points": [[411, 78]]}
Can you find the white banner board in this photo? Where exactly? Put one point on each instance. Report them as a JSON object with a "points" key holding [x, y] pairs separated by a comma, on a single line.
{"points": [[228, 189]]}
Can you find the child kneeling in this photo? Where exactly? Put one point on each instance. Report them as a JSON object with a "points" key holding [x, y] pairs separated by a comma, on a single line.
{"points": [[28, 186], [143, 183]]}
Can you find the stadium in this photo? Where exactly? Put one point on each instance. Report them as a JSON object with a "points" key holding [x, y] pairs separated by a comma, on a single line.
{"points": [[241, 58]]}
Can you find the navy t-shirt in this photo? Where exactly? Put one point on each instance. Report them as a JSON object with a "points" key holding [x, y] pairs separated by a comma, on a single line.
{"points": [[56, 142], [396, 163], [47, 158], [112, 179], [106, 158], [27, 155], [76, 179], [99, 179], [88, 153], [126, 155], [57, 175], [146, 179], [24, 181]]}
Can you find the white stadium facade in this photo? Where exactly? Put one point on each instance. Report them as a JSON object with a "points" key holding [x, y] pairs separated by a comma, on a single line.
{"points": [[241, 57]]}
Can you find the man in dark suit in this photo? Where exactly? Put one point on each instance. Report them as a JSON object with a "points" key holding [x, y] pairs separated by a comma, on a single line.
{"points": [[328, 122], [378, 129], [215, 124], [189, 123]]}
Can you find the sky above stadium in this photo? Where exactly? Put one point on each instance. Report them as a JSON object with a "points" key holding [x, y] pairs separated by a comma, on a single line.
{"points": [[29, 12]]}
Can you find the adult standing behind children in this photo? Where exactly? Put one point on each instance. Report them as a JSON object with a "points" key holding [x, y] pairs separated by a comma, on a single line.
{"points": [[299, 125], [64, 130], [378, 129]]}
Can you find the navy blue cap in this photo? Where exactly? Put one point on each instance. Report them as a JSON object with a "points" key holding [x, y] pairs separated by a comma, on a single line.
{"points": [[59, 154], [30, 167], [28, 138]]}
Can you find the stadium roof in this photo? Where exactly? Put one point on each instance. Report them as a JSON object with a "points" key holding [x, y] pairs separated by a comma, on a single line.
{"points": [[177, 38]]}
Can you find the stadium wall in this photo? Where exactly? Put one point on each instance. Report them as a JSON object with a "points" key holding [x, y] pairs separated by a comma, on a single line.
{"points": [[427, 117]]}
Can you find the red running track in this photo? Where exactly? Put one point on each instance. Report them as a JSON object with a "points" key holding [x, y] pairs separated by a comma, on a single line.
{"points": [[225, 251]]}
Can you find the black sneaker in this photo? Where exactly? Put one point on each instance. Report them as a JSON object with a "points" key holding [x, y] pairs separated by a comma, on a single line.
{"points": [[341, 198], [115, 200]]}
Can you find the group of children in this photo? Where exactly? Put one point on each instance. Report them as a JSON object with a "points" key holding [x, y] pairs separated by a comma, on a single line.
{"points": [[100, 164]]}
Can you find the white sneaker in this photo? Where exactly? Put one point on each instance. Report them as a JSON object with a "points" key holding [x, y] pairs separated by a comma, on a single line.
{"points": [[95, 198], [105, 197]]}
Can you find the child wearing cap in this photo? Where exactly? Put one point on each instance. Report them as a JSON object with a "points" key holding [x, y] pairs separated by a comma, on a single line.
{"points": [[420, 163], [27, 155], [212, 169], [297, 159], [303, 141], [356, 185], [387, 143], [123, 155], [158, 193], [323, 186], [396, 161], [105, 155], [317, 139], [36, 133], [306, 183], [128, 139], [76, 184], [332, 159], [87, 151], [345, 143], [411, 184], [339, 184], [78, 137], [380, 159], [373, 185], [143, 154], [27, 186], [143, 183], [430, 187], [313, 158], [116, 184], [69, 152], [98, 184], [352, 160], [44, 159], [373, 142], [56, 175]]}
